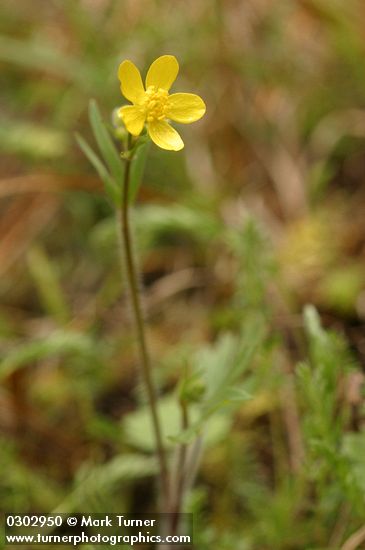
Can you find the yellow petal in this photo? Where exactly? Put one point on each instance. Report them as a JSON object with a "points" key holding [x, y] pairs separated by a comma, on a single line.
{"points": [[133, 117], [165, 136], [185, 108], [162, 72], [131, 81]]}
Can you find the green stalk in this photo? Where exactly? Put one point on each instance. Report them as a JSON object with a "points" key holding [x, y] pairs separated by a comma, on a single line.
{"points": [[177, 489], [132, 280]]}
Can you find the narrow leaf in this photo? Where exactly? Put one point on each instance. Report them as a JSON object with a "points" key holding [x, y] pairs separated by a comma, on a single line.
{"points": [[137, 168], [105, 143], [61, 342], [45, 277], [110, 186]]}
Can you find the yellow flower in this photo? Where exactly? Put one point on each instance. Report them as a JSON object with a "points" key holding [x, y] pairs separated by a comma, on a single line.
{"points": [[154, 105]]}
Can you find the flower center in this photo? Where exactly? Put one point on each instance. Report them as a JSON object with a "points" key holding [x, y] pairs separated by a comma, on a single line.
{"points": [[155, 103]]}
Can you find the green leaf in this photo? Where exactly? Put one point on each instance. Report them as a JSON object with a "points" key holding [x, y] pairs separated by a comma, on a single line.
{"points": [[99, 481], [105, 143], [221, 366], [137, 167], [354, 450], [312, 322], [60, 342], [237, 395], [228, 359], [45, 277], [34, 140], [43, 56], [138, 430], [111, 188]]}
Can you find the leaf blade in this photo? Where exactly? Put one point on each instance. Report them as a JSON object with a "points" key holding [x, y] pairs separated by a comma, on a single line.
{"points": [[110, 186], [137, 169], [105, 143]]}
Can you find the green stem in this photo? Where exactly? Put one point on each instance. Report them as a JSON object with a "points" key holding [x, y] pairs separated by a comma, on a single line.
{"points": [[132, 279], [177, 496]]}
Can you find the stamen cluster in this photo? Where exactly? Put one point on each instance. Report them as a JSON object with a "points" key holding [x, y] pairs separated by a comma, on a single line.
{"points": [[155, 103]]}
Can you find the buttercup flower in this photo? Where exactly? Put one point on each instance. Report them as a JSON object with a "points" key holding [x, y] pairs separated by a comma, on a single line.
{"points": [[154, 105]]}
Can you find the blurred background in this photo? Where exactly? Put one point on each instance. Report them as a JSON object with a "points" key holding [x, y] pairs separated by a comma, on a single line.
{"points": [[261, 214]]}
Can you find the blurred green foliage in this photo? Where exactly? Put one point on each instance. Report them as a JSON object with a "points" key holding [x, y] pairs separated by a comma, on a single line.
{"points": [[260, 215]]}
